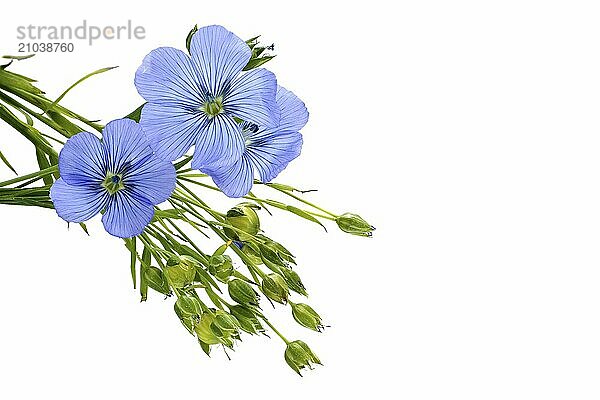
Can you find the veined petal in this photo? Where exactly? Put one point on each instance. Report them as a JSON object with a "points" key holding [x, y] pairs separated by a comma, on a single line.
{"points": [[251, 97], [171, 131], [294, 114], [270, 152], [127, 215], [219, 56], [168, 76], [77, 203], [220, 143], [235, 180], [154, 180], [125, 145], [82, 160]]}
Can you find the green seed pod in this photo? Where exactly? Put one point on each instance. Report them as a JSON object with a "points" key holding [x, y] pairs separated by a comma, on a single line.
{"points": [[252, 254], [293, 281], [299, 356], [275, 288], [226, 322], [307, 317], [189, 306], [182, 274], [203, 330], [189, 321], [221, 267], [242, 293], [247, 319], [355, 225], [244, 218], [156, 280]]}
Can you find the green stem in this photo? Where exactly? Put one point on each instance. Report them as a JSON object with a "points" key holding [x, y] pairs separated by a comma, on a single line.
{"points": [[274, 329], [44, 172]]}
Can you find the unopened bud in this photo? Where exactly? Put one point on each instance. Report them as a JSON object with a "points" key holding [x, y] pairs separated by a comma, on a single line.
{"points": [[156, 280], [242, 293], [245, 220], [355, 225], [181, 274], [299, 356], [275, 288], [221, 267], [307, 317]]}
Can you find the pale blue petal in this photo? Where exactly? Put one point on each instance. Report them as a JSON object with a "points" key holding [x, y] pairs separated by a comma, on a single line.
{"points": [[127, 215], [235, 180], [125, 144], [168, 76], [219, 56], [154, 180], [271, 152], [82, 160], [220, 143], [294, 114], [251, 97], [171, 131], [77, 203]]}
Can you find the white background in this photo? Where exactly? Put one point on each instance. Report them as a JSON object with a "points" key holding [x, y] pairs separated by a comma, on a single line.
{"points": [[466, 131]]}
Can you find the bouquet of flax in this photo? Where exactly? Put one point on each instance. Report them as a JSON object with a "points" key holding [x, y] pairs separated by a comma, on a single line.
{"points": [[213, 120]]}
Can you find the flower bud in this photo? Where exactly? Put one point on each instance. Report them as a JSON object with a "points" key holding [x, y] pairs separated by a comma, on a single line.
{"points": [[247, 319], [181, 274], [241, 292], [221, 267], [299, 356], [355, 225], [252, 254], [188, 310], [293, 281], [156, 280], [244, 218], [204, 331], [275, 288], [307, 317]]}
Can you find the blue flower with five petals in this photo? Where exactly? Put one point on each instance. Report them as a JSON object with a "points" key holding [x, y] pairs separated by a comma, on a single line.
{"points": [[267, 151], [119, 175], [195, 100]]}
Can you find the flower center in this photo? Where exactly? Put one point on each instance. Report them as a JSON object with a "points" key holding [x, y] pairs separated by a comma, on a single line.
{"points": [[113, 183], [213, 107]]}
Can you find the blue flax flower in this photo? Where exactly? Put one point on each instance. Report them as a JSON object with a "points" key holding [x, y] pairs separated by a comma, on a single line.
{"points": [[193, 100], [119, 175], [267, 151]]}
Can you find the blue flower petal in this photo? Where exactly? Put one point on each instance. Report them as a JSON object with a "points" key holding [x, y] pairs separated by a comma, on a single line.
{"points": [[219, 56], [270, 152], [220, 143], [154, 180], [168, 76], [77, 203], [235, 180], [171, 131], [125, 144], [82, 160], [251, 97], [127, 215], [294, 114]]}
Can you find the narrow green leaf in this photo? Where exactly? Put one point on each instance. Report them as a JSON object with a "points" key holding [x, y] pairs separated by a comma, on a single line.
{"points": [[5, 161], [143, 282], [305, 215], [131, 245], [19, 57], [43, 164], [98, 71], [188, 39], [136, 114], [257, 62]]}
